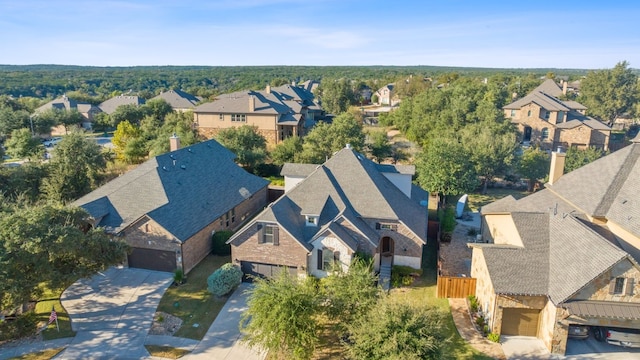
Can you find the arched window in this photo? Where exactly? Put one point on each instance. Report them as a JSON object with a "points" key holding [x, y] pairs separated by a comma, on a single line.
{"points": [[545, 134]]}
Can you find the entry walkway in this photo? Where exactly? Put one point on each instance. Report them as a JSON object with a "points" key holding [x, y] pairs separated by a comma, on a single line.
{"points": [[469, 333]]}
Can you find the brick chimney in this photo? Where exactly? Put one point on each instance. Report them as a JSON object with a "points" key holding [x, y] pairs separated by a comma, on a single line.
{"points": [[557, 165], [252, 103], [174, 142]]}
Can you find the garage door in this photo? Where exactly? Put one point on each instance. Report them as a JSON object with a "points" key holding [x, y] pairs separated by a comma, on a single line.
{"points": [[152, 259], [522, 322], [263, 270]]}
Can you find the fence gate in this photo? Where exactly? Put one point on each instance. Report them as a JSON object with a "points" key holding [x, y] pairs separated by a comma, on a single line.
{"points": [[456, 287]]}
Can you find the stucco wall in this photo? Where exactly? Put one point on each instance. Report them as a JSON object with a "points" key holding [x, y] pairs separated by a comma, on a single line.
{"points": [[630, 242], [484, 288], [502, 229]]}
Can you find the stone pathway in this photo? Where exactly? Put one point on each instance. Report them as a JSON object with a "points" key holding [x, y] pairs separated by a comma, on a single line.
{"points": [[468, 332]]}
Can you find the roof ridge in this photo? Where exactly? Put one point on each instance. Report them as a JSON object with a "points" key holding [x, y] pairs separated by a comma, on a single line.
{"points": [[618, 181]]}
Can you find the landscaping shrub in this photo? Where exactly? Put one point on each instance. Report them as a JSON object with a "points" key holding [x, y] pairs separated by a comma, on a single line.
{"points": [[22, 326], [480, 321], [473, 303], [494, 337], [220, 247], [178, 276], [472, 232], [225, 279], [403, 275], [448, 219]]}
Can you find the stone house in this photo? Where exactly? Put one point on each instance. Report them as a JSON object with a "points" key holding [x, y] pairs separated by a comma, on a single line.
{"points": [[331, 211], [110, 105], [88, 111], [543, 119], [168, 208], [565, 255], [278, 113]]}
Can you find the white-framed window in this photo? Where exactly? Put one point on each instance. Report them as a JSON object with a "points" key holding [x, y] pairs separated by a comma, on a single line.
{"points": [[546, 115], [544, 134], [560, 117], [621, 286], [311, 220], [238, 118], [513, 113], [386, 226], [221, 117], [268, 234]]}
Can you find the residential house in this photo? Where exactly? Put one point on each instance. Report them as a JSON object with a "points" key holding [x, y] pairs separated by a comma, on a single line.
{"points": [[278, 113], [565, 255], [330, 212], [88, 111], [549, 122], [386, 96], [110, 105], [179, 100], [168, 207]]}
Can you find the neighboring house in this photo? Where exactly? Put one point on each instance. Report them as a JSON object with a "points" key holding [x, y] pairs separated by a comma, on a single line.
{"points": [[331, 211], [386, 96], [365, 94], [545, 120], [168, 207], [565, 255], [109, 106], [278, 113], [88, 111], [179, 100]]}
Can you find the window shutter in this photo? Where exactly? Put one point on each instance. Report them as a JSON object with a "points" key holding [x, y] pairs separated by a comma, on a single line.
{"points": [[319, 256], [612, 286], [276, 235], [260, 234], [629, 286]]}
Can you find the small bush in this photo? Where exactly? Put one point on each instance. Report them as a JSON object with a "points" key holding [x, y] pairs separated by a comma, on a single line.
{"points": [[178, 276], [472, 232], [494, 337], [403, 275], [22, 326], [366, 257], [480, 321], [473, 303], [219, 239], [224, 280], [448, 219]]}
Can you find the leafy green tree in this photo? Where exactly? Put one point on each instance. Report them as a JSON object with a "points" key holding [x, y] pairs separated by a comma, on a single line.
{"points": [[249, 146], [128, 112], [62, 117], [349, 295], [325, 139], [22, 182], [179, 123], [125, 133], [49, 244], [75, 168], [444, 167], [610, 93], [23, 145], [281, 316], [491, 147], [577, 158], [157, 108], [398, 331], [336, 95], [379, 146], [11, 120], [288, 151], [534, 166]]}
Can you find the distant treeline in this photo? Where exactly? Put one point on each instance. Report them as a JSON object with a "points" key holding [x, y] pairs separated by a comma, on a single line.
{"points": [[49, 81]]}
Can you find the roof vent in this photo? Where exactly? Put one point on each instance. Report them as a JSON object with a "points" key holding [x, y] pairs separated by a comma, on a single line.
{"points": [[348, 146], [183, 167], [164, 168], [189, 150]]}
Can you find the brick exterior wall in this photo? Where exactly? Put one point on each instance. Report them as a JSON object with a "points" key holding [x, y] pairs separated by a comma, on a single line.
{"points": [[583, 137], [148, 234], [288, 252]]}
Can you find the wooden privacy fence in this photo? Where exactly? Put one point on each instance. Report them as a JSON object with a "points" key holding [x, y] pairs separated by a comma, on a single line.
{"points": [[456, 287]]}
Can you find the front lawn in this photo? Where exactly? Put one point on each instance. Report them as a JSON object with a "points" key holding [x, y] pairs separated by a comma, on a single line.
{"points": [[192, 302], [40, 355], [477, 200], [51, 299]]}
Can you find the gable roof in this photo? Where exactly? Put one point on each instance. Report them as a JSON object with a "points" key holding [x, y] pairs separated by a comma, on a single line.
{"points": [[557, 258], [347, 186], [65, 103], [549, 86], [178, 99], [183, 191], [110, 105]]}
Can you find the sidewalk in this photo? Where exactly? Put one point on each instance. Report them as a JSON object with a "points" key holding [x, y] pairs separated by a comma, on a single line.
{"points": [[8, 352], [469, 333]]}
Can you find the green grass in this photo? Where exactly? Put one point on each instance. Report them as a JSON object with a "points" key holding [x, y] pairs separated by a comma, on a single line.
{"points": [[166, 351], [477, 200], [51, 298], [40, 355], [276, 180], [192, 302]]}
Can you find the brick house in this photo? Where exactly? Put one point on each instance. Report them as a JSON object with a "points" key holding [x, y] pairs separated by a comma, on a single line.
{"points": [[168, 207], [88, 111], [565, 255], [179, 100], [549, 122], [109, 106], [278, 113], [386, 95], [331, 211]]}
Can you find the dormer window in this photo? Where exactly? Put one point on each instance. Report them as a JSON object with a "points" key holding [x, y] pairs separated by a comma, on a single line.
{"points": [[311, 220]]}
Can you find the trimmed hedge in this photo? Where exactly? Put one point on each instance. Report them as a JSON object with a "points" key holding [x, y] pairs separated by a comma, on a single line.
{"points": [[219, 239], [224, 280]]}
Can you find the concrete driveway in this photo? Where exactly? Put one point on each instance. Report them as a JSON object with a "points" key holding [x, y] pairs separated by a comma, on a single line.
{"points": [[222, 341], [112, 313], [525, 347]]}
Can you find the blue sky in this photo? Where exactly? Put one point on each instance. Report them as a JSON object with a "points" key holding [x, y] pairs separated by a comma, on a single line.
{"points": [[506, 34]]}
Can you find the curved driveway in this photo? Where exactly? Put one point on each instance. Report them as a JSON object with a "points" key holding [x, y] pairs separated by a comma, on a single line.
{"points": [[112, 313]]}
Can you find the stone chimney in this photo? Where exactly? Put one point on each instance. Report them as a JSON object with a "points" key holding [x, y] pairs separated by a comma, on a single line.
{"points": [[564, 87], [174, 142], [252, 103], [268, 89], [557, 165]]}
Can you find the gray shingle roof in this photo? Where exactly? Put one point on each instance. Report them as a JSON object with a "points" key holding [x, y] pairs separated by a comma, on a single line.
{"points": [[65, 103], [557, 258], [347, 185], [178, 99], [110, 105], [550, 87], [183, 191], [293, 169]]}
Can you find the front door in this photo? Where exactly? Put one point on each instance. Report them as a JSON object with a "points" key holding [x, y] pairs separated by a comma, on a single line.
{"points": [[527, 134], [386, 251]]}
